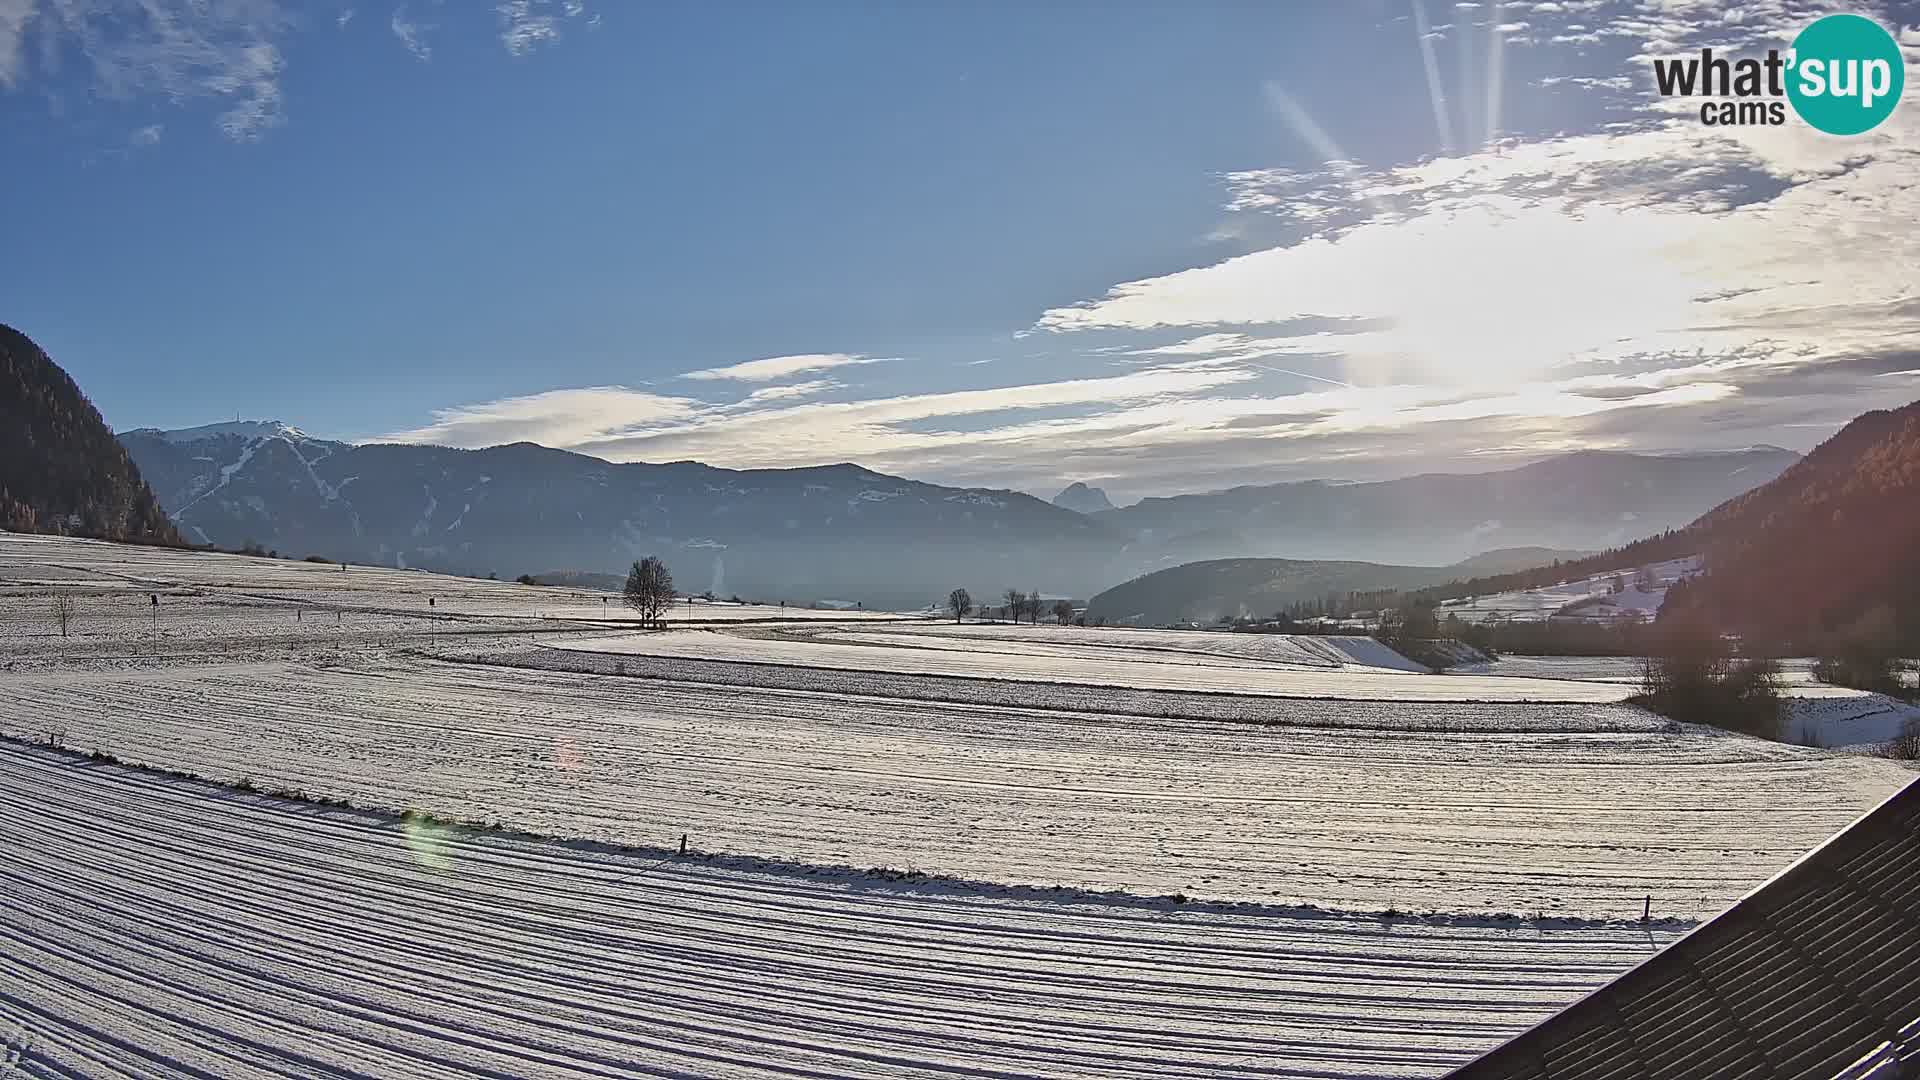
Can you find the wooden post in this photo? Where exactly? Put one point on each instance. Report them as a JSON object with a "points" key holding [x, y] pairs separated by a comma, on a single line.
{"points": [[1646, 913], [683, 843]]}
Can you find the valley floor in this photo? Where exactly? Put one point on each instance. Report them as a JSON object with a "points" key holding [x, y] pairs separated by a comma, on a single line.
{"points": [[1204, 871], [1577, 814]]}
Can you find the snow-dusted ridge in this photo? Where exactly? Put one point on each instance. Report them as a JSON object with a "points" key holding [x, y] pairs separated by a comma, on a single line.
{"points": [[239, 429]]}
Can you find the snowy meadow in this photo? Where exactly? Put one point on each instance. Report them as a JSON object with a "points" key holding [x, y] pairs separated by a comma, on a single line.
{"points": [[280, 819]]}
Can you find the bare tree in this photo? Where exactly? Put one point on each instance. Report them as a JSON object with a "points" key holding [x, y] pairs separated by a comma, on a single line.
{"points": [[1906, 745], [960, 603], [1016, 604], [649, 589], [62, 611], [1063, 611], [1034, 606]]}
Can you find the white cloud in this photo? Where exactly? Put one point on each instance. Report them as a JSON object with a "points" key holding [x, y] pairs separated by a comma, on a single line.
{"points": [[780, 367], [1647, 286], [413, 35], [772, 428], [147, 136], [177, 49], [527, 24], [14, 17], [561, 418], [227, 51], [1664, 238], [254, 79], [1190, 422], [790, 392]]}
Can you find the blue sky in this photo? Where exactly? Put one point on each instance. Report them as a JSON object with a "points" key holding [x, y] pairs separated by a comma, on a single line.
{"points": [[1158, 247]]}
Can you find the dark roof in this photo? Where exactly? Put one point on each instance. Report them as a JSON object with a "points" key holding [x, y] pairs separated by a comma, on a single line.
{"points": [[1803, 977]]}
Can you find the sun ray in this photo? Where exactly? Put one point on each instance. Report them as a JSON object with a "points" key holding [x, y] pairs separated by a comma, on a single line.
{"points": [[1309, 131], [1423, 29], [1496, 72]]}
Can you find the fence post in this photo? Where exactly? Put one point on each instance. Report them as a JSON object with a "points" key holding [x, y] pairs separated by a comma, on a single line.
{"points": [[683, 843], [1646, 913]]}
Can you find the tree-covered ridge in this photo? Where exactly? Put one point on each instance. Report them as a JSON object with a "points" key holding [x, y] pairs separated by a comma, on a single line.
{"points": [[61, 469], [1831, 540]]}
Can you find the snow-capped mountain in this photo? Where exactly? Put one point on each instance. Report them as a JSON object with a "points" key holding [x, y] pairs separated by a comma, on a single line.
{"points": [[214, 477], [832, 531]]}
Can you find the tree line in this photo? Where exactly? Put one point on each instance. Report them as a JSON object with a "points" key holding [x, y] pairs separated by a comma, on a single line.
{"points": [[1016, 605]]}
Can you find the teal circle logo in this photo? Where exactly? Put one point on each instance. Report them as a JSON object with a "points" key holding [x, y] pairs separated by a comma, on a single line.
{"points": [[1846, 74]]}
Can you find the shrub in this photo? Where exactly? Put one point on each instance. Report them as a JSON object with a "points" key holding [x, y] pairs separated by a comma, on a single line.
{"points": [[1690, 674], [1906, 745], [1864, 655]]}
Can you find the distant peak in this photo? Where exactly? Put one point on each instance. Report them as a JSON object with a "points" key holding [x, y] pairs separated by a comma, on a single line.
{"points": [[1080, 497], [241, 429]]}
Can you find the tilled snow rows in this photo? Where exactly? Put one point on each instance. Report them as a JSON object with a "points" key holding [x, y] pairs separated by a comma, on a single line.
{"points": [[156, 928], [1580, 822]]}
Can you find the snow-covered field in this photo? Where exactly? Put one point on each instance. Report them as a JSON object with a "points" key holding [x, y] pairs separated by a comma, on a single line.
{"points": [[1847, 718], [1594, 596], [108, 578], [1581, 821], [1007, 652], [1817, 713], [156, 928], [1185, 646], [1066, 784]]}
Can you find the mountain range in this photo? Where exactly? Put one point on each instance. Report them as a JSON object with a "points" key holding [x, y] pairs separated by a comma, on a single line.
{"points": [[845, 532], [825, 532], [1586, 500], [1794, 548], [833, 531]]}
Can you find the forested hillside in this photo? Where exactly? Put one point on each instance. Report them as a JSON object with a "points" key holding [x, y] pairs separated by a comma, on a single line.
{"points": [[61, 469], [1206, 591], [1826, 544], [1830, 547]]}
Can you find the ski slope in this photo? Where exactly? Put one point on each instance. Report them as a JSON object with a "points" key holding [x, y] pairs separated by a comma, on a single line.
{"points": [[156, 928]]}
